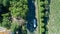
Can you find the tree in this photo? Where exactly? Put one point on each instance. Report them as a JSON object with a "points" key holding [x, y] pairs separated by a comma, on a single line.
{"points": [[46, 2], [6, 3], [14, 26], [18, 8], [1, 1], [6, 23]]}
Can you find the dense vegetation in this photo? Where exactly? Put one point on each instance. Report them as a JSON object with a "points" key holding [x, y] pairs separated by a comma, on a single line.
{"points": [[42, 15], [10, 9], [18, 8], [6, 23]]}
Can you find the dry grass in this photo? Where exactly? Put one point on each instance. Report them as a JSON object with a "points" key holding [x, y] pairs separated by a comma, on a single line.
{"points": [[54, 21]]}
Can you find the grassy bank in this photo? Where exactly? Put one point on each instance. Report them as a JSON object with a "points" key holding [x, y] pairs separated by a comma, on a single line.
{"points": [[54, 21]]}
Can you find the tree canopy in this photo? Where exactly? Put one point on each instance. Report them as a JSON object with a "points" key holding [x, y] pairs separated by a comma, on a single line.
{"points": [[19, 8]]}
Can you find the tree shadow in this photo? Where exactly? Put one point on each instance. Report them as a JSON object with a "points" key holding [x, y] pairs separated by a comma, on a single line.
{"points": [[30, 15], [46, 16], [4, 10], [20, 30], [1, 18], [42, 0]]}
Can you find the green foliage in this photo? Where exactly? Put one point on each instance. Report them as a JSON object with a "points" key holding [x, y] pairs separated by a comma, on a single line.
{"points": [[42, 9], [0, 24], [42, 30], [14, 26], [24, 29], [1, 1], [6, 23], [46, 32], [6, 3], [19, 8], [5, 15], [41, 3], [41, 13], [46, 2]]}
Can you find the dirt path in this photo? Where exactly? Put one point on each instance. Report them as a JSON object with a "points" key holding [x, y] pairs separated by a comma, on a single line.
{"points": [[36, 11]]}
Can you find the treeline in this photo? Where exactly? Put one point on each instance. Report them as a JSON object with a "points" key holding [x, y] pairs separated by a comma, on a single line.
{"points": [[10, 9], [44, 15]]}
